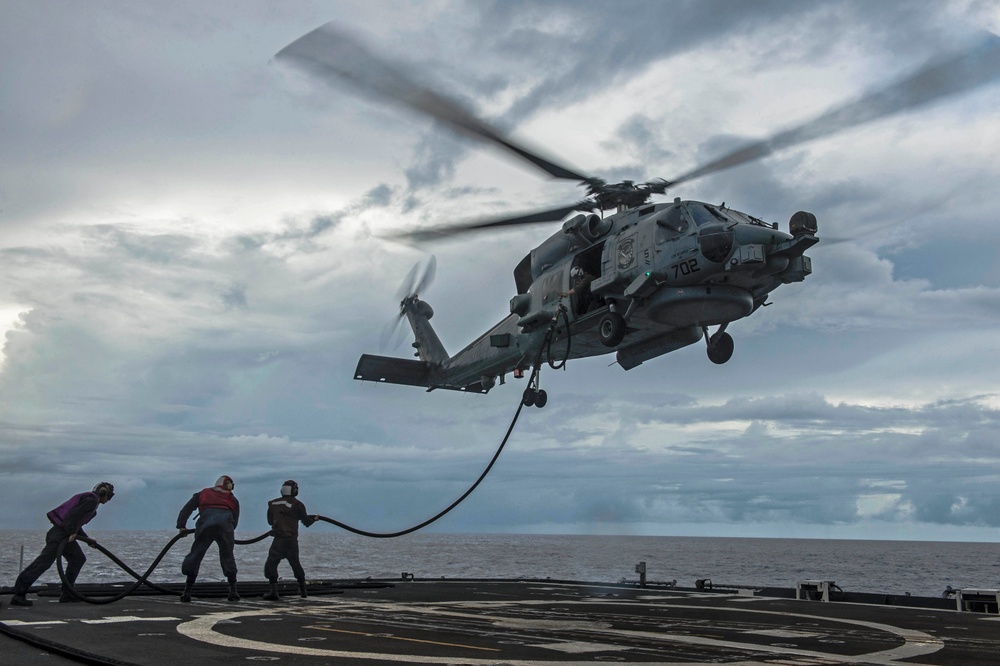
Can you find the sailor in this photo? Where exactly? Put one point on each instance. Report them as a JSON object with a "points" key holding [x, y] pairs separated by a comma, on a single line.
{"points": [[218, 514], [67, 521], [580, 282], [284, 515]]}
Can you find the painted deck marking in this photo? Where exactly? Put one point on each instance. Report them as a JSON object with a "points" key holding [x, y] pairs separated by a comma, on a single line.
{"points": [[915, 643], [400, 638], [22, 623], [130, 618], [579, 647]]}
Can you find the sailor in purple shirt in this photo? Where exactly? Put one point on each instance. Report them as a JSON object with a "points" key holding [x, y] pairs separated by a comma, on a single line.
{"points": [[67, 521]]}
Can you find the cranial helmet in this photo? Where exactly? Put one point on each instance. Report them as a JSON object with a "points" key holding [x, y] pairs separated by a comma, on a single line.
{"points": [[289, 489], [104, 490], [225, 482]]}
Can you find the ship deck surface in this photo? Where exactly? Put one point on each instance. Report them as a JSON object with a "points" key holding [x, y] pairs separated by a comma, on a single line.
{"points": [[496, 622]]}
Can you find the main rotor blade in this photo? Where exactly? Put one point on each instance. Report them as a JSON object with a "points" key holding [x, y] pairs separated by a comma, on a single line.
{"points": [[545, 216], [331, 54], [937, 80]]}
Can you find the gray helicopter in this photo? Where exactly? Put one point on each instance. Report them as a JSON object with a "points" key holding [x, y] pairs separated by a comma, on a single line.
{"points": [[641, 281]]}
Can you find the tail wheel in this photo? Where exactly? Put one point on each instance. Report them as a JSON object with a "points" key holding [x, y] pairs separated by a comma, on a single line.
{"points": [[720, 348], [611, 329]]}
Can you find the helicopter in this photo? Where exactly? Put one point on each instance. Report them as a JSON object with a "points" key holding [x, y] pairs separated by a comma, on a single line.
{"points": [[622, 274]]}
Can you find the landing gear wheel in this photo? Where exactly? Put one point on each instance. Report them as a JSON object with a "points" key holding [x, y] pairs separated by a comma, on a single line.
{"points": [[720, 348], [611, 329], [528, 397], [541, 397]]}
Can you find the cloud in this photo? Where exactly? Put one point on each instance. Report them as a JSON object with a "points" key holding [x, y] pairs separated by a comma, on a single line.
{"points": [[192, 262]]}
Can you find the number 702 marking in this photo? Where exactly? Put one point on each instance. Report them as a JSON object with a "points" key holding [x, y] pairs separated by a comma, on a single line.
{"points": [[685, 268]]}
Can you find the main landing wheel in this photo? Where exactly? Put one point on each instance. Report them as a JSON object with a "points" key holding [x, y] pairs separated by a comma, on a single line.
{"points": [[720, 348], [541, 397], [532, 397], [611, 329]]}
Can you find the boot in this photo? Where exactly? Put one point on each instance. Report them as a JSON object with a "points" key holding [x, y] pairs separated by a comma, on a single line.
{"points": [[67, 598], [233, 594], [302, 589], [272, 594], [186, 594], [20, 600]]}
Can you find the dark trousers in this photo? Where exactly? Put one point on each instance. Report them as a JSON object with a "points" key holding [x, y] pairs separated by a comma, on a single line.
{"points": [[214, 526], [283, 548], [72, 553]]}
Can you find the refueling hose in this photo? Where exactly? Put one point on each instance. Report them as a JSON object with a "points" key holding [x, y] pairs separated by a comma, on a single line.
{"points": [[139, 580], [536, 367], [389, 535], [143, 579]]}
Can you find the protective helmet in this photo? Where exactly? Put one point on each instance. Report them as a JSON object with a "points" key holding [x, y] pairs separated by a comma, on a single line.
{"points": [[104, 490], [289, 489], [225, 482]]}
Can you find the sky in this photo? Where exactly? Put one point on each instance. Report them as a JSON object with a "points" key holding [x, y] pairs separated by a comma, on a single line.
{"points": [[192, 259]]}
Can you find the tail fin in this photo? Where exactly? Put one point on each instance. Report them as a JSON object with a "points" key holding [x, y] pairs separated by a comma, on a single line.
{"points": [[428, 345]]}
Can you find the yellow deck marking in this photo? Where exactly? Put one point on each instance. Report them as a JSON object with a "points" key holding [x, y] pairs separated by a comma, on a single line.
{"points": [[400, 638]]}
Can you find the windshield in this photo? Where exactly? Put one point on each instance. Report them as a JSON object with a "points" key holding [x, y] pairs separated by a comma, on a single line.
{"points": [[703, 215]]}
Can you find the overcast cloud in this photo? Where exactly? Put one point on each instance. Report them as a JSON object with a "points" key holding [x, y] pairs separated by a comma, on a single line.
{"points": [[191, 265]]}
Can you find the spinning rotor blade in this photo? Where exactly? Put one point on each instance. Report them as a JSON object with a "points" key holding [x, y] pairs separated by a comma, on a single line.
{"points": [[406, 287], [544, 216], [333, 55], [415, 282], [939, 79], [392, 335]]}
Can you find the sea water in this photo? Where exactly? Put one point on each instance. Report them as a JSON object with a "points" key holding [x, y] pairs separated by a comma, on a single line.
{"points": [[922, 568]]}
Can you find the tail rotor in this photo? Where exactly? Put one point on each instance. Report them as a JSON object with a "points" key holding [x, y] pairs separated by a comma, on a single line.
{"points": [[417, 280]]}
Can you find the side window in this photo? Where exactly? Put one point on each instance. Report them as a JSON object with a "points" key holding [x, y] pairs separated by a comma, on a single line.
{"points": [[522, 275], [671, 224]]}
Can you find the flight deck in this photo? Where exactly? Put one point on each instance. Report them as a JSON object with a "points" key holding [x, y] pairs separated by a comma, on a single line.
{"points": [[539, 622]]}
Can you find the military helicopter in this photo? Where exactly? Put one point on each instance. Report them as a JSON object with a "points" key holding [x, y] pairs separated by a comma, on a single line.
{"points": [[641, 281]]}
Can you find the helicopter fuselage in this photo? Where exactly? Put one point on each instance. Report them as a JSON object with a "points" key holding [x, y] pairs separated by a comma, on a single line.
{"points": [[642, 282]]}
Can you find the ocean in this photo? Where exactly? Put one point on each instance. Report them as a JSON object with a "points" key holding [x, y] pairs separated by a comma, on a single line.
{"points": [[921, 568]]}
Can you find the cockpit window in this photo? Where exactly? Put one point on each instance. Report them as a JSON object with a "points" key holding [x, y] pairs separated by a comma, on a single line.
{"points": [[671, 224], [703, 215]]}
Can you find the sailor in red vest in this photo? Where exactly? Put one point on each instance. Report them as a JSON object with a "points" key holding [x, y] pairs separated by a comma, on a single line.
{"points": [[218, 514], [67, 521], [284, 515]]}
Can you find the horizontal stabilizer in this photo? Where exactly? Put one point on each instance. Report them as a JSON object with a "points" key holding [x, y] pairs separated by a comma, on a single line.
{"points": [[389, 370]]}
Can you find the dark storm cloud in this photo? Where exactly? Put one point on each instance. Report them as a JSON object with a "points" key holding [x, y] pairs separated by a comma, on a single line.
{"points": [[641, 137], [645, 33], [604, 42], [434, 161], [235, 296], [379, 196], [147, 335], [297, 234]]}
